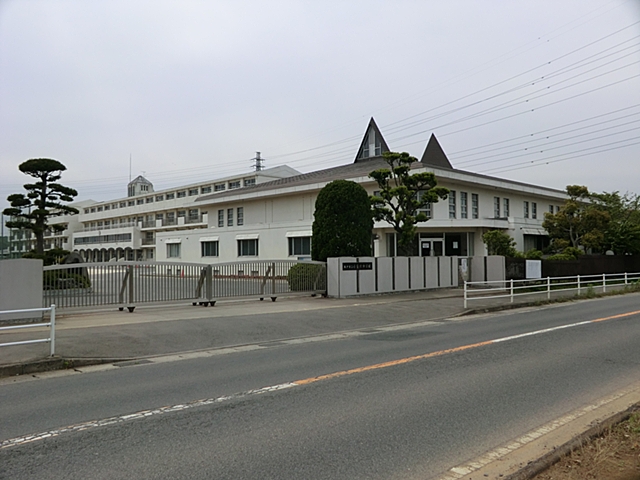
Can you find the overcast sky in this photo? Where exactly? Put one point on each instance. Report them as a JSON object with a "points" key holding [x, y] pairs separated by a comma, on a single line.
{"points": [[545, 92]]}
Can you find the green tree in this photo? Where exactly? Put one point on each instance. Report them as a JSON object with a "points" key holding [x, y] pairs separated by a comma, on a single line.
{"points": [[43, 199], [342, 222], [499, 242], [579, 221], [402, 197], [622, 235]]}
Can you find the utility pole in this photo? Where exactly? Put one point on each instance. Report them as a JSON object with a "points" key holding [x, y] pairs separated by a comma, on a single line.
{"points": [[258, 165]]}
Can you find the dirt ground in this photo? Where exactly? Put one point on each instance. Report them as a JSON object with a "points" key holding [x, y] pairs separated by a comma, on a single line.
{"points": [[614, 456]]}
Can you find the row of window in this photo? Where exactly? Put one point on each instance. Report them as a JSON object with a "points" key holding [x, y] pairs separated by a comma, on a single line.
{"points": [[192, 215], [217, 187], [120, 237], [246, 248], [229, 215], [464, 205]]}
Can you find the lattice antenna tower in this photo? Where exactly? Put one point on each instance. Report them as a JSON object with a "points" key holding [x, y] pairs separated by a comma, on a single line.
{"points": [[258, 165]]}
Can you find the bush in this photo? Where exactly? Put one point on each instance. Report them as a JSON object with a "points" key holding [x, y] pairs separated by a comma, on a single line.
{"points": [[61, 280], [307, 277], [533, 255], [342, 223]]}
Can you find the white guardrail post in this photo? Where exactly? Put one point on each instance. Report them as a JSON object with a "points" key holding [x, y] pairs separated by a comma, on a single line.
{"points": [[52, 335], [465, 294], [548, 288], [578, 285], [604, 283], [512, 290]]}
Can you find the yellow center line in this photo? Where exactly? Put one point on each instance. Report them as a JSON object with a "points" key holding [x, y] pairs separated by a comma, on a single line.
{"points": [[414, 358]]}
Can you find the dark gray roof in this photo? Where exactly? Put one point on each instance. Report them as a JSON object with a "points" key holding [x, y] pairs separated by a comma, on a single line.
{"points": [[383, 144], [352, 170], [434, 155]]}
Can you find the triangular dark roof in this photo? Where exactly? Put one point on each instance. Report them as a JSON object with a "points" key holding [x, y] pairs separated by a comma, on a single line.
{"points": [[383, 144], [434, 155], [140, 179]]}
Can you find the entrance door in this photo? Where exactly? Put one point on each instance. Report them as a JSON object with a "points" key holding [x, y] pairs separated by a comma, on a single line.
{"points": [[425, 248], [438, 248]]}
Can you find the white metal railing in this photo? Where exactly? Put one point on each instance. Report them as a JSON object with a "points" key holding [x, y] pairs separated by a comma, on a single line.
{"points": [[51, 324], [493, 289]]}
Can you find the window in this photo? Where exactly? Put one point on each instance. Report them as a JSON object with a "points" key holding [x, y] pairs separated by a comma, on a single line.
{"points": [[159, 216], [506, 207], [140, 201], [107, 207], [299, 246], [221, 218], [240, 216], [159, 198], [557, 208], [182, 194], [99, 209], [171, 218], [205, 189], [230, 217], [234, 184], [551, 209], [452, 204], [365, 147], [209, 249], [464, 205], [496, 207], [193, 191], [193, 215], [526, 209], [93, 210], [171, 196], [114, 206], [426, 209], [107, 223], [378, 147], [474, 205], [247, 248], [249, 181], [173, 250], [182, 213], [149, 200], [218, 187], [534, 210], [86, 210], [123, 204]]}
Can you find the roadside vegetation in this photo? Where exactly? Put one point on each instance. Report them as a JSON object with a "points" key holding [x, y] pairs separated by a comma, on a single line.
{"points": [[615, 455]]}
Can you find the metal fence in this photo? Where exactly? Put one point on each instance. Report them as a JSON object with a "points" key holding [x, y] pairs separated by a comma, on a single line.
{"points": [[546, 288], [128, 284], [6, 314]]}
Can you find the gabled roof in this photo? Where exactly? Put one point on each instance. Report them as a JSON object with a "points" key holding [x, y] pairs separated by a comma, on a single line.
{"points": [[434, 155], [140, 179], [372, 127]]}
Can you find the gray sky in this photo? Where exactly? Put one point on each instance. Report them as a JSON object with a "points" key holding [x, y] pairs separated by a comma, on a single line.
{"points": [[546, 92]]}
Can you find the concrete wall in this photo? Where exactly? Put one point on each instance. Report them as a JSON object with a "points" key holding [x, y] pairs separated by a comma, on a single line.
{"points": [[20, 286], [348, 276], [487, 269]]}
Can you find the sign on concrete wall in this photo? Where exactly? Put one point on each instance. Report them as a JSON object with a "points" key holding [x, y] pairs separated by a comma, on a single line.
{"points": [[533, 268]]}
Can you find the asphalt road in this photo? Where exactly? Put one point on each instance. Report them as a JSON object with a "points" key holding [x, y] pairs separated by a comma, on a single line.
{"points": [[409, 419]]}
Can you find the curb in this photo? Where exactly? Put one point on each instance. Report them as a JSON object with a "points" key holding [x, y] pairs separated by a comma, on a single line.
{"points": [[52, 364], [546, 461]]}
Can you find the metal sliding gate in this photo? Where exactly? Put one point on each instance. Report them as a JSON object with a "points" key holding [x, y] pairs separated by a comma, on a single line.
{"points": [[127, 284]]}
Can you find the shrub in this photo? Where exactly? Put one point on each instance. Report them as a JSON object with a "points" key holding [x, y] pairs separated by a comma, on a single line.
{"points": [[533, 255], [342, 222], [307, 277], [61, 280]]}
